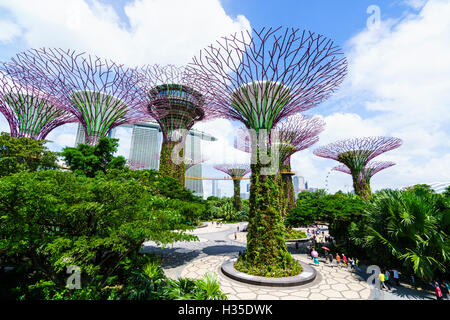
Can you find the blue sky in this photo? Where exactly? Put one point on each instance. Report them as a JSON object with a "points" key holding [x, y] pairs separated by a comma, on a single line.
{"points": [[398, 82]]}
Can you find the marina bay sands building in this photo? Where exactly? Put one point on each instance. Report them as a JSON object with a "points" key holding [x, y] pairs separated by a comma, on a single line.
{"points": [[145, 147]]}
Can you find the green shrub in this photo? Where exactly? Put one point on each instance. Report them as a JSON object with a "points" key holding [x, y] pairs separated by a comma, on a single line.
{"points": [[51, 220]]}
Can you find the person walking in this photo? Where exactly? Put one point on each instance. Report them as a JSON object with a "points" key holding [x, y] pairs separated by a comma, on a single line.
{"points": [[396, 277], [438, 291], [338, 259], [445, 290], [330, 257], [344, 259], [353, 264], [388, 276], [357, 265], [382, 279]]}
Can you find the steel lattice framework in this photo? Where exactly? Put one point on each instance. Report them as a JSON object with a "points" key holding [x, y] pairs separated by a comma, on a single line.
{"points": [[235, 171], [262, 78], [356, 153], [372, 168], [176, 102], [296, 133], [175, 98], [100, 93], [30, 111]]}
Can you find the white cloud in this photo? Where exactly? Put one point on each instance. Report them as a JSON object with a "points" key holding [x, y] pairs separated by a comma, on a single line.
{"points": [[160, 31], [399, 73], [8, 31]]}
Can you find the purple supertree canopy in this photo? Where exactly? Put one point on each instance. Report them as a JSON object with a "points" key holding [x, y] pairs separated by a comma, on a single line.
{"points": [[297, 133], [369, 170], [193, 162], [175, 98], [235, 171], [99, 92], [263, 77], [357, 152], [30, 111]]}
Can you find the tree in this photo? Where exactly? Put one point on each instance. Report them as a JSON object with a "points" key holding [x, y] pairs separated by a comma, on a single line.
{"points": [[50, 220], [88, 160], [407, 229], [20, 154]]}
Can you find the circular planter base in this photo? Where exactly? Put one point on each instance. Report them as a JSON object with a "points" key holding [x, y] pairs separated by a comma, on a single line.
{"points": [[306, 276]]}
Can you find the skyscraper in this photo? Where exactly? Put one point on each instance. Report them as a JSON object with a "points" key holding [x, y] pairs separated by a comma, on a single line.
{"points": [[145, 146]]}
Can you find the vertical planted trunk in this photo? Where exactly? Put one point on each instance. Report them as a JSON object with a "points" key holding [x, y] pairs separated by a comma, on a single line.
{"points": [[237, 203], [266, 246], [167, 167], [361, 187]]}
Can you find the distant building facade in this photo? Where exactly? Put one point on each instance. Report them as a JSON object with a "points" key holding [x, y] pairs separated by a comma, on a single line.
{"points": [[146, 145]]}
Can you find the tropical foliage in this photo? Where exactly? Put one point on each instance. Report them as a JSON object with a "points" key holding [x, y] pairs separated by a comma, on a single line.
{"points": [[20, 154]]}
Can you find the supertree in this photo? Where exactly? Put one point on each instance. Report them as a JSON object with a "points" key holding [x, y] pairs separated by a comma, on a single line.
{"points": [[193, 162], [99, 93], [355, 154], [296, 133], [369, 170], [236, 172], [259, 79], [176, 102], [30, 111]]}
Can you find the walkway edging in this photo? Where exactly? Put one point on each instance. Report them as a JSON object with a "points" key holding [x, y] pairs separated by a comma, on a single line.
{"points": [[306, 276]]}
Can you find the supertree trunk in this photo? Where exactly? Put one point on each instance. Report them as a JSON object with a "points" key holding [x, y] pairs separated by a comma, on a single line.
{"points": [[266, 246], [362, 187], [237, 203], [167, 167], [288, 189]]}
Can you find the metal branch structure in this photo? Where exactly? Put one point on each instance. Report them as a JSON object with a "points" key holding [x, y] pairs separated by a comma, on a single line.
{"points": [[176, 102], [99, 93], [236, 172], [191, 163], [296, 133], [369, 170], [259, 78], [355, 154], [30, 111]]}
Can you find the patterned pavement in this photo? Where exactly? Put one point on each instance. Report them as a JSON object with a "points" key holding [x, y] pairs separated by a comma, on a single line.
{"points": [[217, 244]]}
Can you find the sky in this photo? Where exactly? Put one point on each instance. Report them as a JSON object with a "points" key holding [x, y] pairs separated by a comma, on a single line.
{"points": [[398, 82]]}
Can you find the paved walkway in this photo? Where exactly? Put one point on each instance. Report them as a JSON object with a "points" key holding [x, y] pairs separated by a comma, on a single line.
{"points": [[217, 244]]}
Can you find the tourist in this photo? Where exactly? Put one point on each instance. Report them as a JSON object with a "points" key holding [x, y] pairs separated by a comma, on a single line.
{"points": [[316, 260], [344, 259], [353, 264], [235, 236], [237, 228], [438, 291], [330, 256], [338, 259], [396, 277], [382, 279], [445, 290], [387, 277], [357, 265]]}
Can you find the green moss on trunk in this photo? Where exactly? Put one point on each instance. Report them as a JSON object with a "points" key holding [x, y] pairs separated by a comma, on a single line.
{"points": [[362, 188], [266, 252], [237, 203], [167, 167]]}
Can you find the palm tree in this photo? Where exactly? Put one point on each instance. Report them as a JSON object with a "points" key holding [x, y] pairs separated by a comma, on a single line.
{"points": [[410, 228]]}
